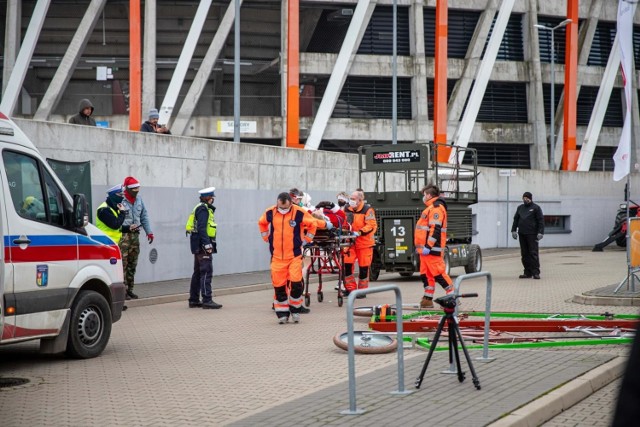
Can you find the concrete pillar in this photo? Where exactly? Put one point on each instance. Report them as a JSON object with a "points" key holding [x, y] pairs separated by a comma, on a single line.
{"points": [[538, 152], [149, 57], [14, 84], [355, 32], [419, 93], [69, 60], [11, 39], [472, 60], [199, 83], [284, 28], [585, 40]]}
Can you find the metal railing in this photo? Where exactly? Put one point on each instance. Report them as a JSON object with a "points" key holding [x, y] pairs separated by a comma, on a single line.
{"points": [[487, 308], [350, 339]]}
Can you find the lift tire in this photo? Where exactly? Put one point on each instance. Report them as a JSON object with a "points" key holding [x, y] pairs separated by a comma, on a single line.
{"points": [[406, 274], [474, 263], [89, 326], [374, 269], [622, 241], [447, 265]]}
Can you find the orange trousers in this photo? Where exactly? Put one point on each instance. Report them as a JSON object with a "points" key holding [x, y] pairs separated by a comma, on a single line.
{"points": [[434, 269]]}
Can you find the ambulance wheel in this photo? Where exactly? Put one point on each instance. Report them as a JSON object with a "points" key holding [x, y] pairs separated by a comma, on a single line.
{"points": [[406, 274], [320, 296], [340, 301], [89, 327], [307, 300]]}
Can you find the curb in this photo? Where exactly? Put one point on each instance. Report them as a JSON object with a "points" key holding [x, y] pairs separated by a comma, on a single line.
{"points": [[549, 405], [619, 301], [164, 299]]}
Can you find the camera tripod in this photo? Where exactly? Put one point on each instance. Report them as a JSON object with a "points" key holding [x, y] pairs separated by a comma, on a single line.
{"points": [[448, 304]]}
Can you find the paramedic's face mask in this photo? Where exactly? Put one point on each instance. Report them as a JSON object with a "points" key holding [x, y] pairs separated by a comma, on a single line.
{"points": [[284, 207], [353, 203]]}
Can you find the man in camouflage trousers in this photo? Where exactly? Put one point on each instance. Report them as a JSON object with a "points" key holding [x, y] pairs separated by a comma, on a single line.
{"points": [[136, 217]]}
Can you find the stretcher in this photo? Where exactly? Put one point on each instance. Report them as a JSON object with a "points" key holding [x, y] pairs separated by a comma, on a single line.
{"points": [[325, 256]]}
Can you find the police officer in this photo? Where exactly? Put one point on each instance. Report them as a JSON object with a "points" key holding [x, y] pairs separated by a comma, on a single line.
{"points": [[202, 228], [111, 214]]}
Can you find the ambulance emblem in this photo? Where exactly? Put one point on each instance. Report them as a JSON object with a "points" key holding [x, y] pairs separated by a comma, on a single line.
{"points": [[42, 275]]}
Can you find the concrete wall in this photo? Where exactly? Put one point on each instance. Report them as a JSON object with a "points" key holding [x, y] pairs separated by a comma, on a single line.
{"points": [[248, 178]]}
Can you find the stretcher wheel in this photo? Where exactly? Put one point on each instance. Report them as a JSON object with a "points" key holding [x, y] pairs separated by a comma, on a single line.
{"points": [[307, 300], [340, 301], [320, 296]]}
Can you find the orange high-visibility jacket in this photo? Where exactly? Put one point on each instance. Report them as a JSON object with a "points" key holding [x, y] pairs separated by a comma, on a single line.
{"points": [[431, 228], [363, 219], [287, 233]]}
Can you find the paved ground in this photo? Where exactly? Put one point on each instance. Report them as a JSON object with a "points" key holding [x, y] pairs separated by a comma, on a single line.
{"points": [[595, 411], [168, 364]]}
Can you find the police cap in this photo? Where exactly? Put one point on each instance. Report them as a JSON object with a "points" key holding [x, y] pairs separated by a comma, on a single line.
{"points": [[207, 192]]}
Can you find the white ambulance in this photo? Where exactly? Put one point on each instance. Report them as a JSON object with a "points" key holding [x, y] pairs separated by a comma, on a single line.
{"points": [[61, 278]]}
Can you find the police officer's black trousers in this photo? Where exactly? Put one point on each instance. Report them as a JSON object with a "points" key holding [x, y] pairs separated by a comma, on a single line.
{"points": [[529, 254], [201, 278]]}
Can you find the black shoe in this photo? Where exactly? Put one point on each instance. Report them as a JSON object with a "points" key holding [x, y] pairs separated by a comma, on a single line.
{"points": [[124, 308], [536, 276], [304, 310], [195, 304], [131, 295], [127, 297], [524, 276], [211, 305]]}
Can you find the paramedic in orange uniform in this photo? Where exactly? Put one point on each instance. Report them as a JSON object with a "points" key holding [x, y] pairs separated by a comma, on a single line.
{"points": [[286, 227], [430, 239], [364, 225]]}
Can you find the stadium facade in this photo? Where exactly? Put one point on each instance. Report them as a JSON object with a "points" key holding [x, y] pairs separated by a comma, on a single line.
{"points": [[510, 130]]}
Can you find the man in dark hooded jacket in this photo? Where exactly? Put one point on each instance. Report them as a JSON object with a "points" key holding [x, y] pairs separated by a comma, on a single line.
{"points": [[528, 225], [85, 110]]}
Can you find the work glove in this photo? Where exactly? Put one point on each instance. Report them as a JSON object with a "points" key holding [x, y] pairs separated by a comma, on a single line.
{"points": [[214, 247], [423, 251], [208, 248], [329, 225], [356, 233], [514, 234], [539, 236], [150, 238]]}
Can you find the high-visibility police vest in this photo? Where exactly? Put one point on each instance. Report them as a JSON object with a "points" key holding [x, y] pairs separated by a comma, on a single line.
{"points": [[115, 235], [192, 223]]}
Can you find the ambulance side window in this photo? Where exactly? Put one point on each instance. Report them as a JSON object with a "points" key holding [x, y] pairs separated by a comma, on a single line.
{"points": [[25, 186], [54, 196]]}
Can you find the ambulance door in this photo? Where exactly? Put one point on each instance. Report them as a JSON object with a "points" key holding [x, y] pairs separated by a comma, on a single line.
{"points": [[44, 253], [7, 322]]}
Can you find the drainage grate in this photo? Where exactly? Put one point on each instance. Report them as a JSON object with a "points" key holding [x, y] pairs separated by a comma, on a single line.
{"points": [[12, 382]]}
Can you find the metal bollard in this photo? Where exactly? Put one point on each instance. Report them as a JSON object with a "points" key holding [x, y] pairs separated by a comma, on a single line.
{"points": [[352, 353], [487, 309]]}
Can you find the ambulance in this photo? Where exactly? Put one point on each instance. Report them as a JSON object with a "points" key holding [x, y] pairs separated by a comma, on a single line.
{"points": [[61, 279]]}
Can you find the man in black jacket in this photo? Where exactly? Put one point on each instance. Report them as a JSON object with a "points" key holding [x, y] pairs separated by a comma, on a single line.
{"points": [[528, 225]]}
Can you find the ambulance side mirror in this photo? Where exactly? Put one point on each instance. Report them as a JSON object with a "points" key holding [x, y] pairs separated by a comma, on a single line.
{"points": [[80, 214]]}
